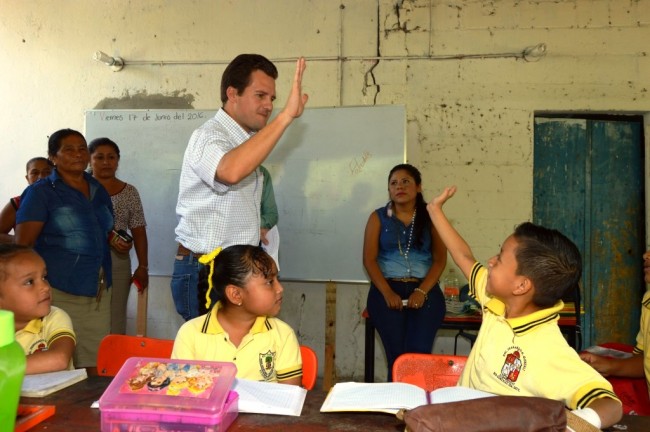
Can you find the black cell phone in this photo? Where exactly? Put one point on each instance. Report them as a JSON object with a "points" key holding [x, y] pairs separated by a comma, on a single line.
{"points": [[123, 235]]}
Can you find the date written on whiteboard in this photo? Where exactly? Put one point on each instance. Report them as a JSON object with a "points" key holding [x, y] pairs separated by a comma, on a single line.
{"points": [[356, 165], [146, 116]]}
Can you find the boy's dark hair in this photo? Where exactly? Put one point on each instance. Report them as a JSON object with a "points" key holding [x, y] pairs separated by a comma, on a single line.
{"points": [[422, 218], [238, 72], [233, 266], [37, 159], [550, 260], [7, 252], [92, 146], [54, 142]]}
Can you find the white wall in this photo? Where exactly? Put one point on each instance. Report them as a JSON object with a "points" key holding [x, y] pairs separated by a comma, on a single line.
{"points": [[470, 121]]}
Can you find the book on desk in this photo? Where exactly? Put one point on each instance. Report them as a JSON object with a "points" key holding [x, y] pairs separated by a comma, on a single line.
{"points": [[391, 397], [257, 397], [39, 385]]}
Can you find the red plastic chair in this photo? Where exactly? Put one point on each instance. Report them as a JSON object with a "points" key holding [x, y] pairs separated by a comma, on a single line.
{"points": [[114, 350], [428, 371], [309, 367]]}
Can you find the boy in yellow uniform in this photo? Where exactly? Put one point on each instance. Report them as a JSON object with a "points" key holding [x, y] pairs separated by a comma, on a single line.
{"points": [[520, 350]]}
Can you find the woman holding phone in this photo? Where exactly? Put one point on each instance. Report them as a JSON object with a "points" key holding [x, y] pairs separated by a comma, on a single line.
{"points": [[67, 217], [129, 218]]}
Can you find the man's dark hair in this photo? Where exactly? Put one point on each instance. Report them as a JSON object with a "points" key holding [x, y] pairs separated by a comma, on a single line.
{"points": [[238, 72]]}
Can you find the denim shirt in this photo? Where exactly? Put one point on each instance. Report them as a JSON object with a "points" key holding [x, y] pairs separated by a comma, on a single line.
{"points": [[74, 239], [392, 262]]}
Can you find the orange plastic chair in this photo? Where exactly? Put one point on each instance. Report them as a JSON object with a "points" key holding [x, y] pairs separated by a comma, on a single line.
{"points": [[428, 371], [114, 350], [309, 367]]}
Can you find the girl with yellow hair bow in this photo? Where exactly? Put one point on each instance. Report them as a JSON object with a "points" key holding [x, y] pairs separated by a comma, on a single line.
{"points": [[240, 296]]}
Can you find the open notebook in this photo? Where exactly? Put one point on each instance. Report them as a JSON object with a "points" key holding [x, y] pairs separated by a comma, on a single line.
{"points": [[391, 397], [269, 398]]}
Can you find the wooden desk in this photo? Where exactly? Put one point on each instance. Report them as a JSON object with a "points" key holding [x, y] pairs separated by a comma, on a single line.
{"points": [[73, 414]]}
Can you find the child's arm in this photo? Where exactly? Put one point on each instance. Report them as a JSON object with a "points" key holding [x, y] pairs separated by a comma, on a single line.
{"points": [[293, 381], [7, 222], [56, 358], [457, 247], [609, 410], [628, 367]]}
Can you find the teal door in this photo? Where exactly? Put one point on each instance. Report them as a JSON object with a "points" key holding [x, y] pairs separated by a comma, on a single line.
{"points": [[588, 182]]}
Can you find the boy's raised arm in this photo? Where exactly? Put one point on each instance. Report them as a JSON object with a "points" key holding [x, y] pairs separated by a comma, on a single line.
{"points": [[457, 247]]}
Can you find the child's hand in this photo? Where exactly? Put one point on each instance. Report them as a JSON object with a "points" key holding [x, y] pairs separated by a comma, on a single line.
{"points": [[600, 363], [438, 201]]}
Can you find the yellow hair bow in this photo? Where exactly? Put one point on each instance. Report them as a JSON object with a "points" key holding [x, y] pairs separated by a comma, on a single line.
{"points": [[205, 260]]}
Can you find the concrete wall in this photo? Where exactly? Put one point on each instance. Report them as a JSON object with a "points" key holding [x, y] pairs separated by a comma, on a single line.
{"points": [[470, 120]]}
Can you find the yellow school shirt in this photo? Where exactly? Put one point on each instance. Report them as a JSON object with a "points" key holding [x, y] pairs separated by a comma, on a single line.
{"points": [[40, 333], [269, 352], [527, 356], [643, 337]]}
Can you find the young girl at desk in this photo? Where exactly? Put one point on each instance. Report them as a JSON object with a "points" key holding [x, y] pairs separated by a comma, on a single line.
{"points": [[241, 327], [44, 331]]}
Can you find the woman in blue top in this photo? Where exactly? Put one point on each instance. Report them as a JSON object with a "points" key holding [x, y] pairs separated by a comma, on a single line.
{"points": [[404, 258], [67, 218]]}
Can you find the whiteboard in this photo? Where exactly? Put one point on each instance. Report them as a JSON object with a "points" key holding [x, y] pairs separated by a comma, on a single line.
{"points": [[329, 173]]}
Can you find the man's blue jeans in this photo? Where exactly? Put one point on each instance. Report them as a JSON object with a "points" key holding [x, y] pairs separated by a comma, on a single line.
{"points": [[185, 280]]}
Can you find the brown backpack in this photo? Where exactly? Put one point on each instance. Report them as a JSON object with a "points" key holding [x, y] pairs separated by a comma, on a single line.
{"points": [[494, 414]]}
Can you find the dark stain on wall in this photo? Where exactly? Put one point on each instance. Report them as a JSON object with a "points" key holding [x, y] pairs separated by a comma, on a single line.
{"points": [[143, 100]]}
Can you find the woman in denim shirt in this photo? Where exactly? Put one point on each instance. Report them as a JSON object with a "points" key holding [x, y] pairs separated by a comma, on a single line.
{"points": [[66, 218], [404, 258]]}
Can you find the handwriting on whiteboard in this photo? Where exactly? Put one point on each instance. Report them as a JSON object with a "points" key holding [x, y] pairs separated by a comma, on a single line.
{"points": [[356, 166]]}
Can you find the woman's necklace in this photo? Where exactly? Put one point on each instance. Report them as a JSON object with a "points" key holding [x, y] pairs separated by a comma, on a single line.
{"points": [[405, 253]]}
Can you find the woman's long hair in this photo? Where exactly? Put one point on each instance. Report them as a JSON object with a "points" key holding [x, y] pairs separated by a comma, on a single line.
{"points": [[422, 219]]}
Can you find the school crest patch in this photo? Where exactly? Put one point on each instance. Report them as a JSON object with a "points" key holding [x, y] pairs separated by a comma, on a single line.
{"points": [[513, 364], [267, 364]]}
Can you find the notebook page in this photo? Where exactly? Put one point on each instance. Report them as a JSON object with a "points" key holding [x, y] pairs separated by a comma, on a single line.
{"points": [[269, 398], [39, 385], [456, 393], [382, 397]]}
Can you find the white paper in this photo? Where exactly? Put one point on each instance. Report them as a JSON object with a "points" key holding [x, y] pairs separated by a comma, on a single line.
{"points": [[273, 237], [381, 397], [457, 393], [38, 385], [391, 397], [269, 398], [608, 352]]}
